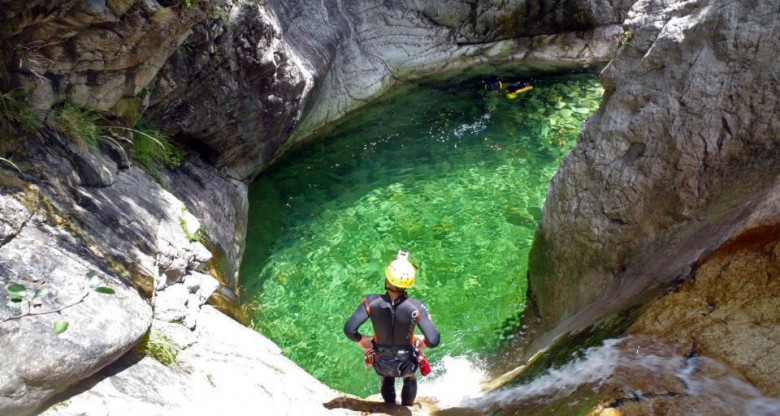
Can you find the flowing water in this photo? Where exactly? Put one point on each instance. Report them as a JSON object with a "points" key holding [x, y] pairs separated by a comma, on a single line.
{"points": [[455, 174], [637, 374]]}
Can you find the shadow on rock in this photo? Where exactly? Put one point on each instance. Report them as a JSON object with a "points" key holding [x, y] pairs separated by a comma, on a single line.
{"points": [[366, 406]]}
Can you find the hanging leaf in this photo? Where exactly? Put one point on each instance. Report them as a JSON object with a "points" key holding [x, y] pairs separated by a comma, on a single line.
{"points": [[105, 290], [16, 291], [14, 303], [40, 293], [93, 279], [60, 326]]}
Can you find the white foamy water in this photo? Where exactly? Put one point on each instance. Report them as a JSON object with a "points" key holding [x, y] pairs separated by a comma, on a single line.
{"points": [[639, 368], [594, 367], [475, 127], [454, 380]]}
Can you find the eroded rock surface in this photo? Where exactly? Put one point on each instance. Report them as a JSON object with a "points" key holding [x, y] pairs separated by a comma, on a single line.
{"points": [[235, 86], [59, 227], [357, 50], [92, 53], [226, 369], [682, 155], [729, 310]]}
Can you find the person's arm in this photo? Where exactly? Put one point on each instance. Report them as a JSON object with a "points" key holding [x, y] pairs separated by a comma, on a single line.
{"points": [[428, 329], [353, 323]]}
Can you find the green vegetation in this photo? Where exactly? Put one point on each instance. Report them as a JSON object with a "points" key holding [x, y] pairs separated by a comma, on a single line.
{"points": [[16, 109], [626, 38], [153, 147], [30, 302], [159, 346], [12, 164], [198, 235], [80, 125]]}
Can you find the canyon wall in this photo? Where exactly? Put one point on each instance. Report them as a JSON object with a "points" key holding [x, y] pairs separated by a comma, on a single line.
{"points": [[682, 158], [229, 82]]}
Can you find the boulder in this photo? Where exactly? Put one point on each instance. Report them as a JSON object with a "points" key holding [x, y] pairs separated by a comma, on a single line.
{"points": [[226, 369], [729, 309], [62, 239], [38, 362]]}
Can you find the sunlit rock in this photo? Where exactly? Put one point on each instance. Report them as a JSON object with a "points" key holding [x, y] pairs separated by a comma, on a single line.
{"points": [[681, 156]]}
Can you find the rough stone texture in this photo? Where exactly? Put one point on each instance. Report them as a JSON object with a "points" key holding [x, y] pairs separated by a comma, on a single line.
{"points": [[681, 156], [253, 79], [56, 226], [37, 362], [220, 205], [358, 49], [730, 309], [92, 52], [234, 85], [181, 302], [227, 369]]}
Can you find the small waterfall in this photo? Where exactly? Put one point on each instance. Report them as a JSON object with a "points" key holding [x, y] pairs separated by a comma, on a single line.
{"points": [[455, 380], [633, 372]]}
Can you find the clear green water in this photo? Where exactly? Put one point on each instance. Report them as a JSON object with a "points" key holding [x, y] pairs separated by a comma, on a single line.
{"points": [[455, 175]]}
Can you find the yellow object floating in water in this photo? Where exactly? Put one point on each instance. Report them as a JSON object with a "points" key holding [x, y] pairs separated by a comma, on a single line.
{"points": [[512, 95]]}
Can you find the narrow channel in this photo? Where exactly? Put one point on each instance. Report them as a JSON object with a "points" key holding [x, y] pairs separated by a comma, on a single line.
{"points": [[454, 173]]}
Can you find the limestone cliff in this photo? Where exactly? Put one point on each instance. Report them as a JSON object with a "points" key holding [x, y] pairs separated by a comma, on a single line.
{"points": [[682, 157]]}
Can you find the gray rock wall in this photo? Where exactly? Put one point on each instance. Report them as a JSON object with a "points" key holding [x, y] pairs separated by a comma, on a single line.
{"points": [[259, 71], [91, 52], [356, 50], [60, 223], [234, 86], [682, 155]]}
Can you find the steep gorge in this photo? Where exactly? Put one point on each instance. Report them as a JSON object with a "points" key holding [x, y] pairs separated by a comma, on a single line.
{"points": [[681, 157]]}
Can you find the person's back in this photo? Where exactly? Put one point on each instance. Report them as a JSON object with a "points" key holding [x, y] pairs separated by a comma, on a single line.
{"points": [[394, 321], [394, 317]]}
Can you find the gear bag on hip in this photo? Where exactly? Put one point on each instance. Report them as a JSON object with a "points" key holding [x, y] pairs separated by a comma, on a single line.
{"points": [[394, 361]]}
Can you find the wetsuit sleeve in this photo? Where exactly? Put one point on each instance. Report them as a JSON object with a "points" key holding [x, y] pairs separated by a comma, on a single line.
{"points": [[354, 322], [428, 329]]}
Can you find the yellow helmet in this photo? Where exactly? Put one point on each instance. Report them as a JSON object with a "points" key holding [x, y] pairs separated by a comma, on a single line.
{"points": [[401, 272]]}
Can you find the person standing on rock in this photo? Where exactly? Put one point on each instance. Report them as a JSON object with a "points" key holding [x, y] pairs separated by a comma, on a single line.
{"points": [[394, 316]]}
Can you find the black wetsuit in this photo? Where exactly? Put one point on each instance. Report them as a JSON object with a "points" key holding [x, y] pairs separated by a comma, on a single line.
{"points": [[394, 324]]}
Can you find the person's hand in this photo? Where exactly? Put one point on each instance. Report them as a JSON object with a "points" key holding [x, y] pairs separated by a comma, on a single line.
{"points": [[419, 343], [365, 343]]}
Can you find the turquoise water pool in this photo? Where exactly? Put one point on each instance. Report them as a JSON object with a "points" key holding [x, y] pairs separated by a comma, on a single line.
{"points": [[450, 172]]}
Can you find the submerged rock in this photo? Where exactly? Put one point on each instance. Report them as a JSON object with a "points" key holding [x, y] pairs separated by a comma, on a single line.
{"points": [[520, 217]]}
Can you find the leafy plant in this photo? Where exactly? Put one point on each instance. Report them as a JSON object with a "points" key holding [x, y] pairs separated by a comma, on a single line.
{"points": [[12, 164], [60, 326], [20, 297], [626, 38]]}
